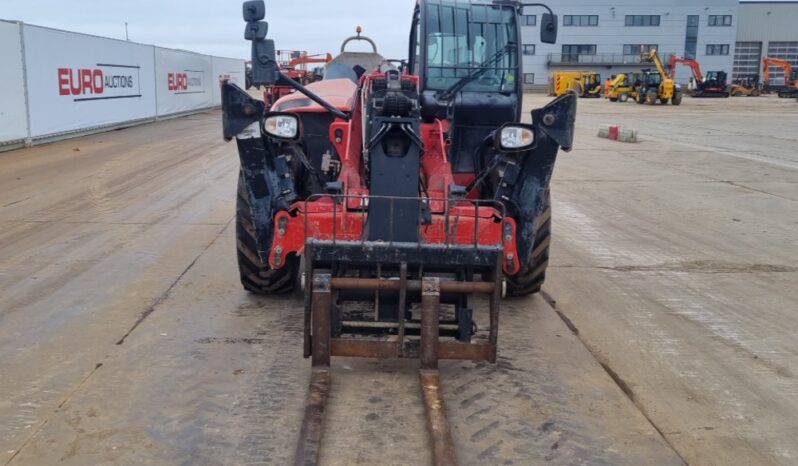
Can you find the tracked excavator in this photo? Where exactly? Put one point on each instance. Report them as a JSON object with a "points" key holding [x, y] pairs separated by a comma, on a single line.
{"points": [[714, 84]]}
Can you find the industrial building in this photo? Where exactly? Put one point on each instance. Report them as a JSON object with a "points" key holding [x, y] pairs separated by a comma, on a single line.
{"points": [[608, 38], [766, 29]]}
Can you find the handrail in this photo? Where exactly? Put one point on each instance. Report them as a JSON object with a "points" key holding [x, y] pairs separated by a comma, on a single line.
{"points": [[600, 59]]}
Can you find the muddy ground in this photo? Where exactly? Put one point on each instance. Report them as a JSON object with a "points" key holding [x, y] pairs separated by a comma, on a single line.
{"points": [[665, 333]]}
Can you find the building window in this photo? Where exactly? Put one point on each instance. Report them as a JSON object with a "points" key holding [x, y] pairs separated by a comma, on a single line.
{"points": [[530, 20], [529, 49], [691, 37], [720, 20], [571, 53], [642, 20], [717, 49], [637, 49], [529, 78], [580, 20]]}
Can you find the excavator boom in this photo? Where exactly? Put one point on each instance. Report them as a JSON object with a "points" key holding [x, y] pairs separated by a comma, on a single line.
{"points": [[785, 65], [693, 64], [653, 57], [790, 76], [320, 58]]}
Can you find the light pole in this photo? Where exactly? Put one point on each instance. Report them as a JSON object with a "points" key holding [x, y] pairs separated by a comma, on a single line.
{"points": [[127, 37]]}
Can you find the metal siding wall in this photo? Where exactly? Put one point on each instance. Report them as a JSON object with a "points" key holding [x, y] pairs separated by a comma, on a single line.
{"points": [[787, 51], [13, 111], [771, 24], [766, 22], [611, 33]]}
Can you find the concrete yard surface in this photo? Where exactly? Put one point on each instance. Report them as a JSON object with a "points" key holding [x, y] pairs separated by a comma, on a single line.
{"points": [[665, 333], [677, 261]]}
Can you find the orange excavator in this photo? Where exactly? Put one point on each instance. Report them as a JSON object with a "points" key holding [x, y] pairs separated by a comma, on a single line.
{"points": [[298, 63], [293, 64], [790, 76], [712, 85]]}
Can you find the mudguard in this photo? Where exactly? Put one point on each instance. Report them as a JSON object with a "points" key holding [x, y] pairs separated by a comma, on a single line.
{"points": [[554, 130], [260, 164]]}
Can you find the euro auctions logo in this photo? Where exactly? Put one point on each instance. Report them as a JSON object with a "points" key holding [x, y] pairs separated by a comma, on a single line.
{"points": [[185, 82], [102, 82]]}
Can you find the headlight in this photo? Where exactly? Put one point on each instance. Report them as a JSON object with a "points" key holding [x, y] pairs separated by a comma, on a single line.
{"points": [[282, 126], [513, 138]]}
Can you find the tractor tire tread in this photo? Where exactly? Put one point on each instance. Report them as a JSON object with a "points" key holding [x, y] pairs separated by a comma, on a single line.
{"points": [[533, 275], [256, 276]]}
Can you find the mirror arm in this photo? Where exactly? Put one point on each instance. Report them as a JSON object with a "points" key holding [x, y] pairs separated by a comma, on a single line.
{"points": [[540, 5], [314, 97]]}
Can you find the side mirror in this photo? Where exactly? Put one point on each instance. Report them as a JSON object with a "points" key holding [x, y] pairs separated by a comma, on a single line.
{"points": [[256, 30], [265, 70], [254, 10], [548, 28]]}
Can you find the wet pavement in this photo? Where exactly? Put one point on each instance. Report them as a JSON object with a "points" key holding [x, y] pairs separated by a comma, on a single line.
{"points": [[125, 337]]}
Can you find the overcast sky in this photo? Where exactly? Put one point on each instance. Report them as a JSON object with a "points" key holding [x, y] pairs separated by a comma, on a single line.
{"points": [[215, 26]]}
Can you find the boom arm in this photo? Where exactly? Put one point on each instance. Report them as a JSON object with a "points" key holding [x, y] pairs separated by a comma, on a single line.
{"points": [[694, 66], [321, 58], [785, 65], [620, 78], [653, 56]]}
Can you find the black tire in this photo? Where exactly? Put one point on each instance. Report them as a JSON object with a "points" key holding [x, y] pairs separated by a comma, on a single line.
{"points": [[677, 98], [256, 276], [651, 97], [613, 99], [532, 276], [641, 98]]}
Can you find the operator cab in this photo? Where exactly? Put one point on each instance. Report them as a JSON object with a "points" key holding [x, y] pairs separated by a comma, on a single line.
{"points": [[715, 78], [651, 78], [468, 57]]}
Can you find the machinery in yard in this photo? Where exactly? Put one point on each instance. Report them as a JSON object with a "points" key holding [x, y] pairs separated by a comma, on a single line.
{"points": [[790, 88], [656, 85], [646, 87], [746, 86], [582, 83], [623, 86], [394, 198], [714, 84], [294, 64]]}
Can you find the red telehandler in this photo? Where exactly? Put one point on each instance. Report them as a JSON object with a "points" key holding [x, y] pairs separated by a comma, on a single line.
{"points": [[714, 84], [393, 196]]}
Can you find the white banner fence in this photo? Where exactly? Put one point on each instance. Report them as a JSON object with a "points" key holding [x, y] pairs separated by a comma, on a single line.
{"points": [[56, 84], [13, 109]]}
